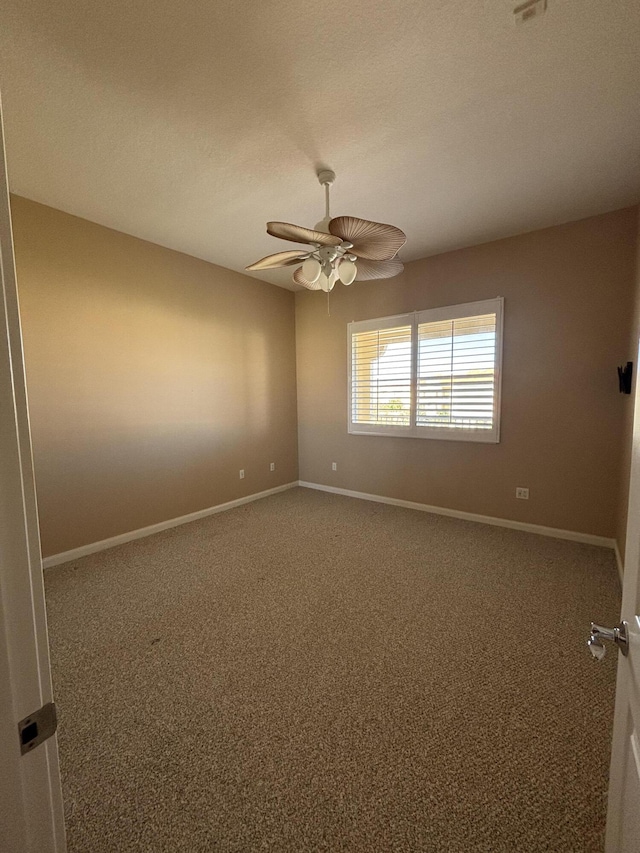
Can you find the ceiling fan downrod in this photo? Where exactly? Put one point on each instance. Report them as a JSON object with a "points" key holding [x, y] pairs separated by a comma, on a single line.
{"points": [[326, 178]]}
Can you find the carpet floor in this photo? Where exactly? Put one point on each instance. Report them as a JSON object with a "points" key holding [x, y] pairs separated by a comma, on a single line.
{"points": [[311, 672]]}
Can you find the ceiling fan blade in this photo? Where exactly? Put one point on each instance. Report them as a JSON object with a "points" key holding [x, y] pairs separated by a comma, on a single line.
{"points": [[300, 279], [372, 240], [377, 269], [280, 259], [298, 234]]}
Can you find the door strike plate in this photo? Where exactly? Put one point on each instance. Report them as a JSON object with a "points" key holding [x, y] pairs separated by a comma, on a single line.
{"points": [[37, 727]]}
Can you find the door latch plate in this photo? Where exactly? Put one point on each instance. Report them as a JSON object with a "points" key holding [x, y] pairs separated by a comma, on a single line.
{"points": [[37, 727]]}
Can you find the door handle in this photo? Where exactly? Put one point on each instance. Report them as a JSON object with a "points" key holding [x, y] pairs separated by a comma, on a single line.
{"points": [[617, 634]]}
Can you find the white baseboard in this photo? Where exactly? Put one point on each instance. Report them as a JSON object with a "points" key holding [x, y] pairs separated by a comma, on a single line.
{"points": [[76, 553], [554, 532], [575, 536], [619, 561]]}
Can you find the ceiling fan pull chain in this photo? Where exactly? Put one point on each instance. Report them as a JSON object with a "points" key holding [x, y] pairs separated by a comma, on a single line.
{"points": [[328, 303]]}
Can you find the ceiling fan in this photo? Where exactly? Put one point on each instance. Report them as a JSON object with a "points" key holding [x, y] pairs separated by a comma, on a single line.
{"points": [[345, 248]]}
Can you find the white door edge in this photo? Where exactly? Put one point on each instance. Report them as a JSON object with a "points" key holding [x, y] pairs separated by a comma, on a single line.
{"points": [[31, 813]]}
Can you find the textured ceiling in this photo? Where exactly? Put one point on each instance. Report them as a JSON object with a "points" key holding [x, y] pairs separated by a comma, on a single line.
{"points": [[192, 124]]}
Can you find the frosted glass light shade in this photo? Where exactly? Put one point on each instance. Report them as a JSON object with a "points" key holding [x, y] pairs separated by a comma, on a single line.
{"points": [[324, 282], [347, 271], [311, 270]]}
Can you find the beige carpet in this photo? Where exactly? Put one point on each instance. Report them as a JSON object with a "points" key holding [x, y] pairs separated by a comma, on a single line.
{"points": [[316, 673]]}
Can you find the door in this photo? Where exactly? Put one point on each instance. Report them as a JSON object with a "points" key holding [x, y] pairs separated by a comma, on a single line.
{"points": [[31, 813], [623, 817]]}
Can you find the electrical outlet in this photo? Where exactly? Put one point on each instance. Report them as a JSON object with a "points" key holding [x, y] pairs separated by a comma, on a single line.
{"points": [[272, 466], [242, 473], [523, 494], [334, 466]]}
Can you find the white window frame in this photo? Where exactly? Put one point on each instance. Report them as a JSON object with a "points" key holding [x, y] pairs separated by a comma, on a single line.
{"points": [[431, 315]]}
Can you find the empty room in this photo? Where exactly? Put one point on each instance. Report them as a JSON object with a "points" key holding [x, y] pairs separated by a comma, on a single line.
{"points": [[320, 490]]}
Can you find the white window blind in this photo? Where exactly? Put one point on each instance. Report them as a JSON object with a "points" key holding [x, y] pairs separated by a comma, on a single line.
{"points": [[381, 376], [431, 374], [456, 373]]}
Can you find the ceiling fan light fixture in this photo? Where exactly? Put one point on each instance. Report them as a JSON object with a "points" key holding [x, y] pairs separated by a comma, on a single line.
{"points": [[327, 282], [311, 270], [347, 271], [344, 248]]}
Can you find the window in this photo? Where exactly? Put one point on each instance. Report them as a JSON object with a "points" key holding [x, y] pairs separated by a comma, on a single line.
{"points": [[431, 374]]}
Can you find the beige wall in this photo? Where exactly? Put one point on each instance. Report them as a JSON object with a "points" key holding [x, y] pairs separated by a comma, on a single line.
{"points": [[153, 378], [631, 354], [568, 298]]}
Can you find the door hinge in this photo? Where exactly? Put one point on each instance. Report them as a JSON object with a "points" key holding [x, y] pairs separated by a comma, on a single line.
{"points": [[37, 727]]}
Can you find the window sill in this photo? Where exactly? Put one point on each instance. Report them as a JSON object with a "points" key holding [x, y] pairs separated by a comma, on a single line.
{"points": [[477, 437]]}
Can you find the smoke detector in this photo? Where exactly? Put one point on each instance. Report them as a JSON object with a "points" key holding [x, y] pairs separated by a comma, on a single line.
{"points": [[526, 12]]}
